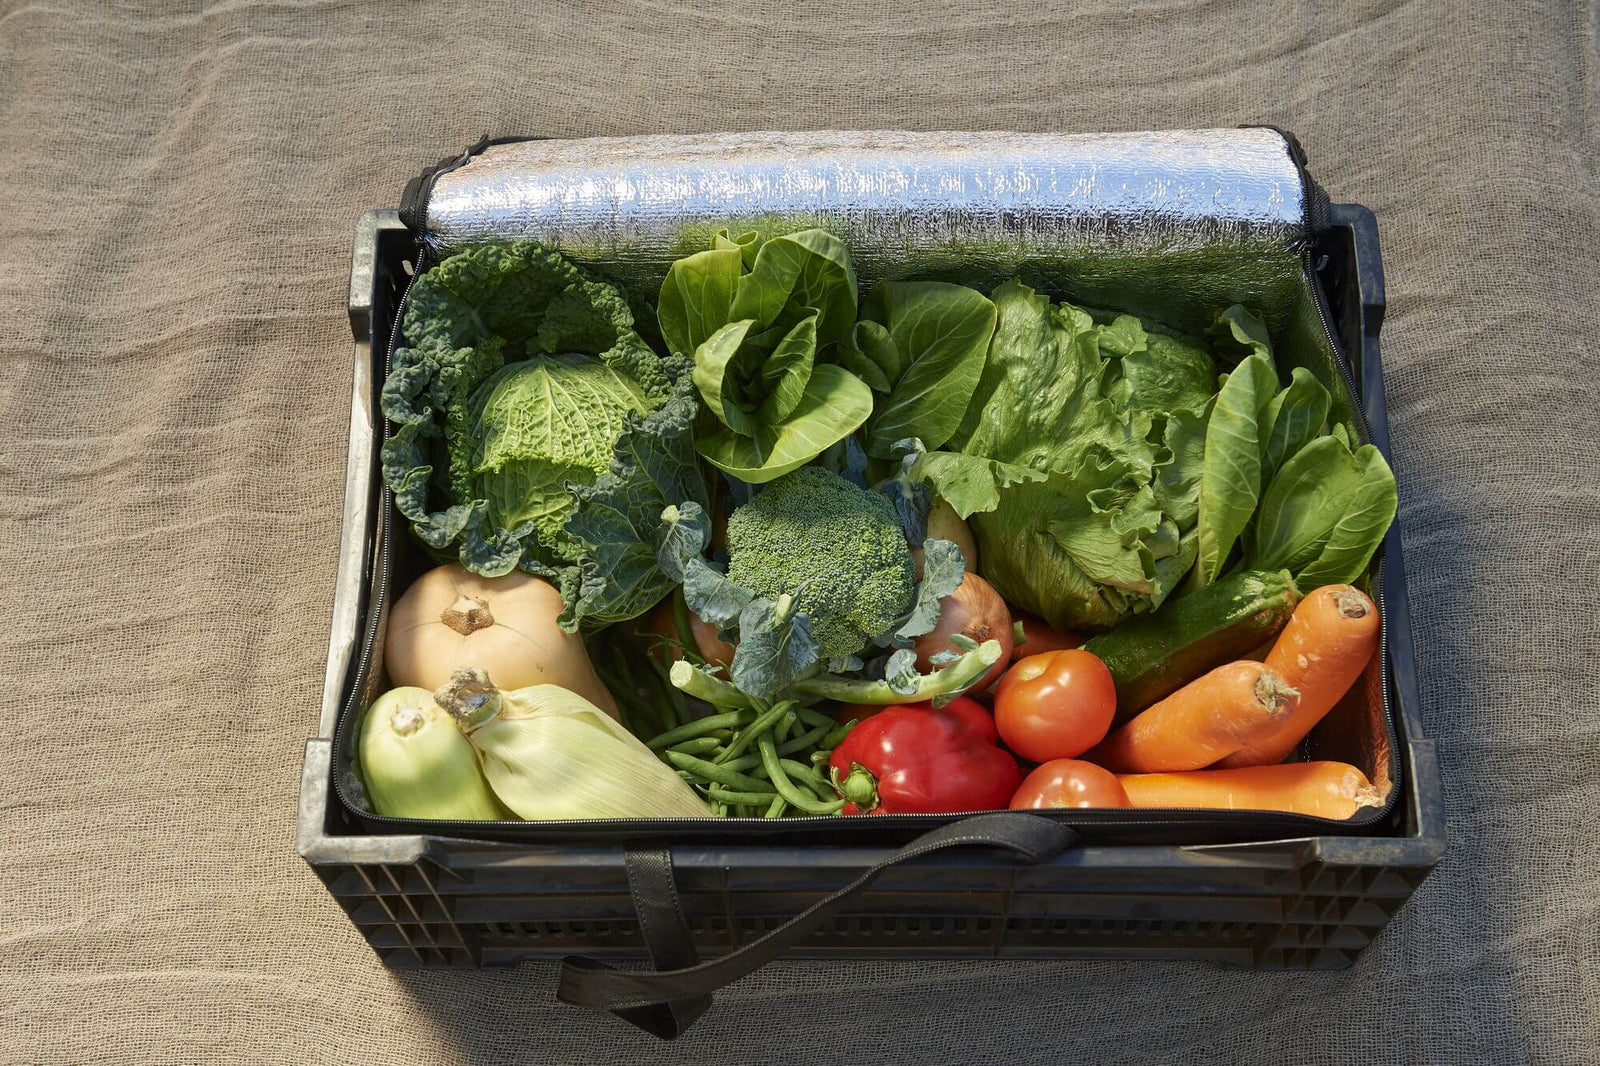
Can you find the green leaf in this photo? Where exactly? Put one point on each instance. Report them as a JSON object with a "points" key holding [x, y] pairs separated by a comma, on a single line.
{"points": [[1231, 481], [1103, 517], [900, 672], [941, 335], [748, 243], [712, 595], [775, 647], [718, 365], [834, 404], [696, 296], [1167, 375], [1123, 337], [869, 354], [943, 570], [788, 369], [684, 532], [618, 520], [1368, 512], [1293, 418], [971, 483], [1325, 489], [808, 270], [1239, 334], [1180, 467]]}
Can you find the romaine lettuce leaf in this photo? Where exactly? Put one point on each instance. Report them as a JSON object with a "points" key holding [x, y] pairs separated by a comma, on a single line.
{"points": [[1230, 481], [925, 341], [1325, 513], [754, 315]]}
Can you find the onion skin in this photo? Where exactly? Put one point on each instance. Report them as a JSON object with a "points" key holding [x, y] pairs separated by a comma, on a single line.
{"points": [[976, 610]]}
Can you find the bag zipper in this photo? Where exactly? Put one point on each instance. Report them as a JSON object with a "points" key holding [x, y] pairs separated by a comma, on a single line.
{"points": [[1176, 817], [1364, 431]]}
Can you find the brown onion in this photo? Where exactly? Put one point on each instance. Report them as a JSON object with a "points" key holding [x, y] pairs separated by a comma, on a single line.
{"points": [[976, 610]]}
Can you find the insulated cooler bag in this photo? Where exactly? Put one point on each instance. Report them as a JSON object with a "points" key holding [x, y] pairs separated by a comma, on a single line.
{"points": [[1172, 226]]}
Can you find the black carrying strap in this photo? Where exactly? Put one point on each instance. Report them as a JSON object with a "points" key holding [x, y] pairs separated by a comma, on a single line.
{"points": [[667, 1001], [666, 934]]}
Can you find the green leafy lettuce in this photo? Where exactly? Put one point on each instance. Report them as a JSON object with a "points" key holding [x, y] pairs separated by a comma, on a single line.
{"points": [[1102, 464], [922, 344], [1066, 474], [754, 316]]}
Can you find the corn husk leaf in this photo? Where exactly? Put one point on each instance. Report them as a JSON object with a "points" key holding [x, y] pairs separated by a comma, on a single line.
{"points": [[549, 754], [416, 763]]}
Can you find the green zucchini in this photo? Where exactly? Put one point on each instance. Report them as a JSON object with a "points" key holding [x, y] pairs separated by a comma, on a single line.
{"points": [[1154, 655]]}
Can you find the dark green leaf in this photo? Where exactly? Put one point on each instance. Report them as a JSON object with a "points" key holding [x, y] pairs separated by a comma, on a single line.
{"points": [[940, 334], [943, 570], [775, 647]]}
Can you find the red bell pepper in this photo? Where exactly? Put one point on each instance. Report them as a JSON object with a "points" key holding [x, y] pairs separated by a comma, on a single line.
{"points": [[918, 759]]}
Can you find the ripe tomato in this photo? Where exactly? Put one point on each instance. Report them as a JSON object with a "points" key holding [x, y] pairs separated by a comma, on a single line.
{"points": [[1056, 705], [1069, 783]]}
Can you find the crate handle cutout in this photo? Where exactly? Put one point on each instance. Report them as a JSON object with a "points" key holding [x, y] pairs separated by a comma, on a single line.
{"points": [[666, 1002]]}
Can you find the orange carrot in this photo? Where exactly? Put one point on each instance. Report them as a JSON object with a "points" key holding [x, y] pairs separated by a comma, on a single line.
{"points": [[1320, 789], [1211, 717], [1324, 648]]}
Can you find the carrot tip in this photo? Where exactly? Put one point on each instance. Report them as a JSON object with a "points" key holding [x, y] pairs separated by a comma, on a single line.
{"points": [[1352, 604]]}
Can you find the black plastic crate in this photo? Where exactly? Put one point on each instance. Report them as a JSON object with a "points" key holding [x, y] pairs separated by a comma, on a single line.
{"points": [[1306, 902]]}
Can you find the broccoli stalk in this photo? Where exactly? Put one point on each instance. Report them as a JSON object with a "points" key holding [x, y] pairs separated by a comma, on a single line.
{"points": [[960, 675], [953, 680]]}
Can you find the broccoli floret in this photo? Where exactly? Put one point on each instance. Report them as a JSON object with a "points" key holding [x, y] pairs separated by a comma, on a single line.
{"points": [[837, 547]]}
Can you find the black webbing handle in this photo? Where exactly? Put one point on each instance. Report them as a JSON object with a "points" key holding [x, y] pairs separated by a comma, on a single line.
{"points": [[666, 1002]]}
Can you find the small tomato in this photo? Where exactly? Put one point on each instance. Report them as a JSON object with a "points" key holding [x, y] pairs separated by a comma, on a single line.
{"points": [[1056, 705], [1069, 783]]}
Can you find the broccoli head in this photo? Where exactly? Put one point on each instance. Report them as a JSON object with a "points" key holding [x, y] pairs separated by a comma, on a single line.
{"points": [[836, 547]]}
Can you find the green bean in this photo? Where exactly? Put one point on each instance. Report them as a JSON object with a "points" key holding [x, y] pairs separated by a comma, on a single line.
{"points": [[697, 728], [743, 762], [718, 810], [742, 740], [788, 789], [798, 771], [752, 798], [805, 740], [836, 736], [720, 775], [814, 717], [779, 806], [698, 745], [680, 706]]}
